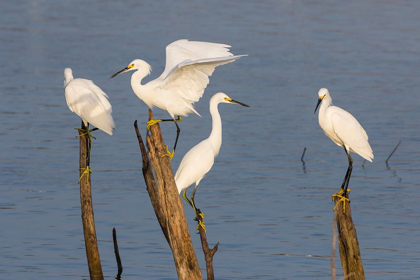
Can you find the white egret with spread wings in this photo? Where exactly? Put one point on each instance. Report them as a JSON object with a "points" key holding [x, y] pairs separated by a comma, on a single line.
{"points": [[189, 64]]}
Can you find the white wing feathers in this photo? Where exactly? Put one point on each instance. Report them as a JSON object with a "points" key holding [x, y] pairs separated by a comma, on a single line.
{"points": [[182, 50], [189, 64], [90, 103], [354, 137], [189, 79]]}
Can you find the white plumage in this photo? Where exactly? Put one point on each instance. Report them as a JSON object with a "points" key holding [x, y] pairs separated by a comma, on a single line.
{"points": [[342, 128], [200, 159], [189, 64], [89, 102]]}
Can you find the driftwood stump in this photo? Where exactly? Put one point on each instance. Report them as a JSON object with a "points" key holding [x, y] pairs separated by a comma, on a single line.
{"points": [[167, 204], [208, 253], [89, 231], [348, 243]]}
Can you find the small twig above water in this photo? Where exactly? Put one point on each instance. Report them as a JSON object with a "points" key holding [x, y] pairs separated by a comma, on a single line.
{"points": [[303, 162], [392, 152], [363, 165], [117, 254], [303, 154]]}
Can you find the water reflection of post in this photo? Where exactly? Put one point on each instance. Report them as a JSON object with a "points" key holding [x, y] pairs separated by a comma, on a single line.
{"points": [[167, 203], [348, 243], [91, 244]]}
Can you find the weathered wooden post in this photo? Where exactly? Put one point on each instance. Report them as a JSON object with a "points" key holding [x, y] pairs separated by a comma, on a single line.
{"points": [[167, 204], [91, 244], [348, 243]]}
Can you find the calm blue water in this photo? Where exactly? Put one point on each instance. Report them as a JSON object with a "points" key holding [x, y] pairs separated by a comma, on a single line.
{"points": [[272, 219]]}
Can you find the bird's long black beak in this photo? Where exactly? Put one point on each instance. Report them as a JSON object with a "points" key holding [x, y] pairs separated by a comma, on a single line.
{"points": [[119, 72], [239, 103], [317, 105]]}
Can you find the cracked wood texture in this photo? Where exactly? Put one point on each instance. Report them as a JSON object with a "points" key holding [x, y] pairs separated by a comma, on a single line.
{"points": [[89, 231], [348, 243], [167, 204]]}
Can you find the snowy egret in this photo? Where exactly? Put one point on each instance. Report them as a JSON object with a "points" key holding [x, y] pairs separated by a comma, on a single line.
{"points": [[200, 159], [189, 64], [89, 102], [345, 131]]}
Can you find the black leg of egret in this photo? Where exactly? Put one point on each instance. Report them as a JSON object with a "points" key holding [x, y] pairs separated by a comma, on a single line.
{"points": [[196, 210], [348, 175], [199, 216], [178, 130]]}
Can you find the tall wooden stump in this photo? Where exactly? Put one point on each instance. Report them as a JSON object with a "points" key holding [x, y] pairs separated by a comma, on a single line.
{"points": [[167, 204], [91, 244], [348, 243]]}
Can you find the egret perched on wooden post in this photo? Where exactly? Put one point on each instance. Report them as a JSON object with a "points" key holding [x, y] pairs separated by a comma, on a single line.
{"points": [[200, 159], [345, 131], [189, 64], [91, 104]]}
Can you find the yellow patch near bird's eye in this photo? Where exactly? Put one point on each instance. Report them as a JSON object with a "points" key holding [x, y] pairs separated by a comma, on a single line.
{"points": [[228, 99], [323, 96], [130, 66]]}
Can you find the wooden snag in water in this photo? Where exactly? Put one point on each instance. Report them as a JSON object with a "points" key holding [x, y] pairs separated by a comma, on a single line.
{"points": [[348, 243], [91, 244], [167, 204], [208, 253], [117, 254]]}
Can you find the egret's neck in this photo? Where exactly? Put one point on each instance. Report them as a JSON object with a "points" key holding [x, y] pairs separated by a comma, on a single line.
{"points": [[216, 131], [68, 78], [326, 102], [136, 79]]}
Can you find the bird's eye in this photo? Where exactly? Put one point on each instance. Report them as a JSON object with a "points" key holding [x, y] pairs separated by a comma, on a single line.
{"points": [[227, 99]]}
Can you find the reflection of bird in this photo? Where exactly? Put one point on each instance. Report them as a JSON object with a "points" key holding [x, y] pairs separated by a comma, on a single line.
{"points": [[188, 67], [200, 159], [89, 102], [344, 130]]}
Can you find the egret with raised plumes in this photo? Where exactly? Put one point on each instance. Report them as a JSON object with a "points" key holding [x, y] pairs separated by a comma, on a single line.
{"points": [[189, 64]]}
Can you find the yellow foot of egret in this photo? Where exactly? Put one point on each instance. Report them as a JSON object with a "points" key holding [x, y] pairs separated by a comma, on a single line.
{"points": [[86, 171], [202, 225], [169, 154], [152, 122], [342, 199], [86, 132]]}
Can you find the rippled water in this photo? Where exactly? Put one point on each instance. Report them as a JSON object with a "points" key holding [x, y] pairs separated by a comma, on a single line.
{"points": [[271, 217]]}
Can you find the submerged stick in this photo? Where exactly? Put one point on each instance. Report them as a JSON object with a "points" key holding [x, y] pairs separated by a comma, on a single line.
{"points": [[303, 154], [167, 204], [89, 231], [393, 151], [117, 254], [348, 243]]}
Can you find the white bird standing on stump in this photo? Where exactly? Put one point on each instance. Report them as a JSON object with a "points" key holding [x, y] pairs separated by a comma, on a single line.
{"points": [[189, 64], [89, 102], [345, 131], [200, 159]]}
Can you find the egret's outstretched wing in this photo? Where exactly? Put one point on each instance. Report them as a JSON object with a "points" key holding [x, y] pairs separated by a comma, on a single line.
{"points": [[184, 50], [90, 103], [190, 78], [349, 130]]}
